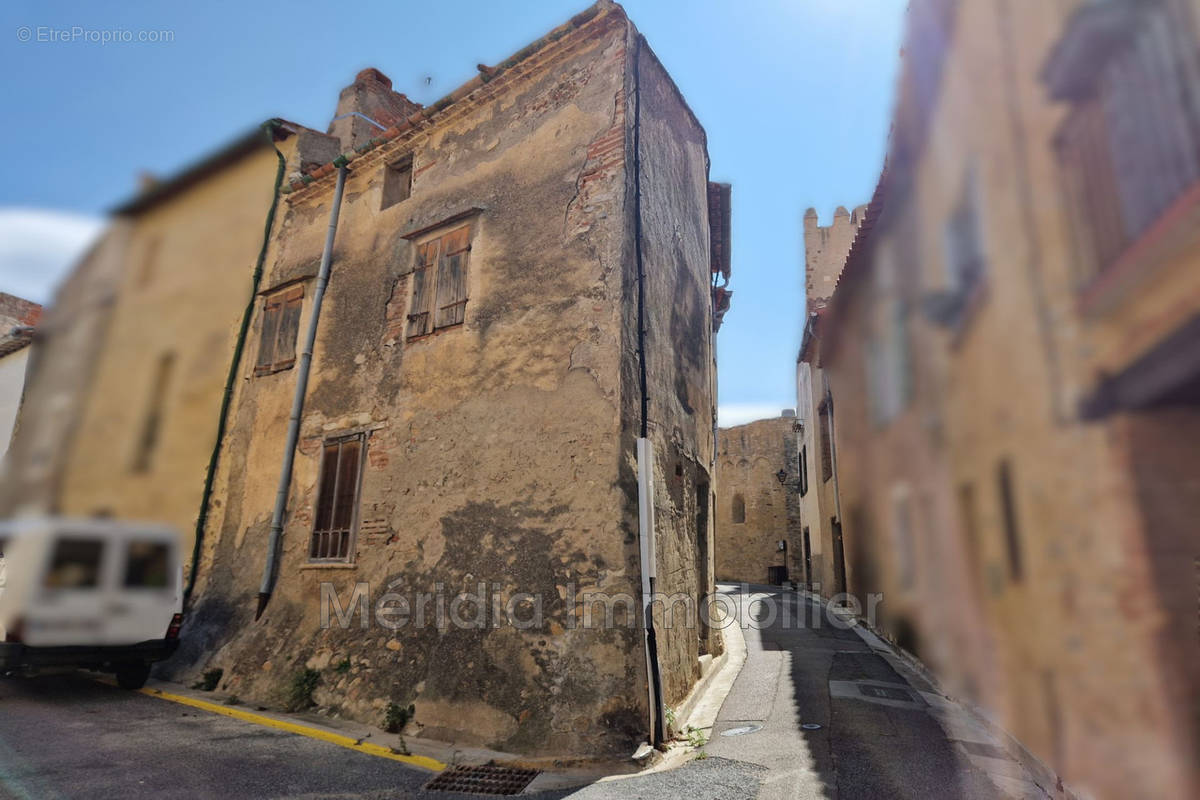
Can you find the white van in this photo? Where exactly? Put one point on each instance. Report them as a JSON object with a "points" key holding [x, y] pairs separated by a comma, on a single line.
{"points": [[98, 594]]}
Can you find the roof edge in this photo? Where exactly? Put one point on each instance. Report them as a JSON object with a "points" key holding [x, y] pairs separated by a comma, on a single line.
{"points": [[432, 112], [239, 147]]}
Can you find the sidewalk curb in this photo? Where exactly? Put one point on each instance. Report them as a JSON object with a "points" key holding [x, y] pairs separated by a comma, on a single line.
{"points": [[321, 734], [700, 708]]}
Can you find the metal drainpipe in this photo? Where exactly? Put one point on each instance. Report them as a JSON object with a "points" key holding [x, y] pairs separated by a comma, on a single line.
{"points": [[293, 433]]}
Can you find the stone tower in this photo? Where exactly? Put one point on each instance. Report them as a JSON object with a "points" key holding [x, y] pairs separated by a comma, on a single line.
{"points": [[825, 251]]}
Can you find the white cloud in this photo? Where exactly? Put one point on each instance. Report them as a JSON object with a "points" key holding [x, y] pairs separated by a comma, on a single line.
{"points": [[741, 413], [38, 247]]}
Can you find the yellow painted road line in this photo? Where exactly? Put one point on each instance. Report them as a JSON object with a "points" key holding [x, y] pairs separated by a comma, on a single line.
{"points": [[301, 730]]}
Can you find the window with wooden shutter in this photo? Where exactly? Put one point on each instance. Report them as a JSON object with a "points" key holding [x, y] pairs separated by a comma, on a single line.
{"points": [[337, 499], [824, 434], [439, 298], [281, 326], [420, 321], [452, 278]]}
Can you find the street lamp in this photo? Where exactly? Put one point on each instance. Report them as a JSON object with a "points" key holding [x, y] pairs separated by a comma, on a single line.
{"points": [[782, 476]]}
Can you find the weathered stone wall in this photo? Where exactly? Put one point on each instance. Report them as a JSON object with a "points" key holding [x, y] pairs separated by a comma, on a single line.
{"points": [[677, 346], [747, 462], [498, 451]]}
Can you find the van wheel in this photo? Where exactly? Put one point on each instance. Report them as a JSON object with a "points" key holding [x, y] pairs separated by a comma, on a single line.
{"points": [[133, 676]]}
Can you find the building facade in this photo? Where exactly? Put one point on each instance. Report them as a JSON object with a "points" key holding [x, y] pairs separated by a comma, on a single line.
{"points": [[758, 538], [825, 250], [519, 292], [1006, 353]]}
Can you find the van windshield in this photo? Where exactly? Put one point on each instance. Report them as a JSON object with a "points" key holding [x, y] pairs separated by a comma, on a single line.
{"points": [[147, 565], [75, 564]]}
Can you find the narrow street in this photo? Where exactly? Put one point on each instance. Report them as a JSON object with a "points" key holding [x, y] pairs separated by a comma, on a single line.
{"points": [[883, 731]]}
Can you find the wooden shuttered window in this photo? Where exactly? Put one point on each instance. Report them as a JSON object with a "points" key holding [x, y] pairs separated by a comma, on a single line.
{"points": [[281, 325], [439, 298], [803, 470], [826, 442], [337, 499]]}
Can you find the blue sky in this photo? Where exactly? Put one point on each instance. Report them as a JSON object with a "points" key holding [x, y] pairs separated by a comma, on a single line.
{"points": [[795, 95]]}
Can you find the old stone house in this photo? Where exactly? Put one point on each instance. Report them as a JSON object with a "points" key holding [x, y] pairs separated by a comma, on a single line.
{"points": [[519, 303], [1011, 351], [758, 537]]}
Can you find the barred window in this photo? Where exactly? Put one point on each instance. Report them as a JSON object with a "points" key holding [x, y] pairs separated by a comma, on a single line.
{"points": [[439, 297], [337, 499]]}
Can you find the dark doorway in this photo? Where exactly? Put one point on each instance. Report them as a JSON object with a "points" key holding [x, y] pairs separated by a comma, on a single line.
{"points": [[702, 559], [839, 557], [807, 545]]}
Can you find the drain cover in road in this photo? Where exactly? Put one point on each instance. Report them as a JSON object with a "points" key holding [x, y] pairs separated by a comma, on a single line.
{"points": [[885, 693], [485, 779], [742, 730]]}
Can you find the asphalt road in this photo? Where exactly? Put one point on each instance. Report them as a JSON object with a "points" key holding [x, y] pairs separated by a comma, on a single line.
{"points": [[69, 737], [802, 670]]}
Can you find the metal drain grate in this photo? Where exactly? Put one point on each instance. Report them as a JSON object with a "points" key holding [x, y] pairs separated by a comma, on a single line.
{"points": [[885, 693], [485, 779]]}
